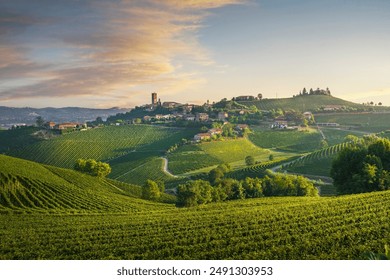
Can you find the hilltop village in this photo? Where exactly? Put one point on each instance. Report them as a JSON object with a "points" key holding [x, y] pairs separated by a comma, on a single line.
{"points": [[228, 118]]}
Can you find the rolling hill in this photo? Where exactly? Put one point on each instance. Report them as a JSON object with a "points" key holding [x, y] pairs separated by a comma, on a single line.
{"points": [[29, 186], [301, 103]]}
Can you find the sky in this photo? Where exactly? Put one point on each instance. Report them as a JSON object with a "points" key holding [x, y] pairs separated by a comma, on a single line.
{"points": [[115, 53]]}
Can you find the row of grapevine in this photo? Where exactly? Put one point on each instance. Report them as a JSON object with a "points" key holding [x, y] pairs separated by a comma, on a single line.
{"points": [[317, 155], [269, 228]]}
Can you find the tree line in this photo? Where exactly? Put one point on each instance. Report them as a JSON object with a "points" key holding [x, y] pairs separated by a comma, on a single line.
{"points": [[363, 166]]}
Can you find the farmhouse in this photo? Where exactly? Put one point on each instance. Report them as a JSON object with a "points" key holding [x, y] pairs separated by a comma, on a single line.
{"points": [[63, 126], [170, 104], [202, 136], [308, 115], [50, 125], [241, 127], [280, 122], [189, 117], [245, 98], [215, 131]]}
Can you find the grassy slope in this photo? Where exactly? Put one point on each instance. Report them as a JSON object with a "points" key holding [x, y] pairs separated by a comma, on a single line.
{"points": [[193, 157], [29, 186], [300, 103], [268, 228], [124, 147], [367, 122], [286, 140]]}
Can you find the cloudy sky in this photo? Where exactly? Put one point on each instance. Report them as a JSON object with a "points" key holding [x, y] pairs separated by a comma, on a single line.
{"points": [[105, 53]]}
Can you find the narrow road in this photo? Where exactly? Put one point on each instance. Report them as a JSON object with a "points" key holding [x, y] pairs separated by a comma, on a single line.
{"points": [[165, 168]]}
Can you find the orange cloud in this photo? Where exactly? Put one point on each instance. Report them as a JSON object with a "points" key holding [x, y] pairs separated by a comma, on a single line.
{"points": [[115, 48]]}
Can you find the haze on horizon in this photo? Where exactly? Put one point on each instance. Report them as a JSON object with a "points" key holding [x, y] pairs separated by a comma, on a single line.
{"points": [[100, 54]]}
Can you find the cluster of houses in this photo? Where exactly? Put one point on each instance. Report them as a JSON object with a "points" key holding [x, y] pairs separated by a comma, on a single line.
{"points": [[198, 117]]}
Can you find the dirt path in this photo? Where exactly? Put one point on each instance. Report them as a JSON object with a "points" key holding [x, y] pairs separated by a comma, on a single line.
{"points": [[165, 168]]}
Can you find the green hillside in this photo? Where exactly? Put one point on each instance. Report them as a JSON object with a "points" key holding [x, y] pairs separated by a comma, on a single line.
{"points": [[300, 103], [28, 186], [365, 122], [192, 157], [124, 147], [268, 228]]}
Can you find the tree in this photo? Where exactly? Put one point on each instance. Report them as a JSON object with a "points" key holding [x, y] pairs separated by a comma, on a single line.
{"points": [[92, 167], [271, 157], [260, 96], [249, 160], [39, 121], [363, 167], [151, 190]]}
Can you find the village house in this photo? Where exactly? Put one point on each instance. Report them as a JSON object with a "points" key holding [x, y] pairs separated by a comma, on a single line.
{"points": [[189, 117], [241, 127], [202, 136], [170, 104], [68, 125], [215, 131], [50, 125], [201, 117], [332, 107], [280, 122], [222, 116]]}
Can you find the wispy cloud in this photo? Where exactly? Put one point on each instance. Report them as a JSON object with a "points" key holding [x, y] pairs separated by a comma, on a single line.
{"points": [[100, 48]]}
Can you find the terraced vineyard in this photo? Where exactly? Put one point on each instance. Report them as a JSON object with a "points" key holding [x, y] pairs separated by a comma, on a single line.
{"points": [[28, 186], [257, 170], [367, 122], [193, 157], [102, 144], [315, 163], [286, 140], [268, 228]]}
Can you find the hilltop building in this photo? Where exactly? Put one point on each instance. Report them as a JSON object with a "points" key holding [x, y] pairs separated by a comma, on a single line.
{"points": [[154, 99]]}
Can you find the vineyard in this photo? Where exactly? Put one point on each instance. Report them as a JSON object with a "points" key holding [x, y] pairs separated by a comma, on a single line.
{"points": [[367, 122], [28, 186], [257, 170], [101, 144], [265, 228], [124, 147], [315, 163], [286, 140], [193, 157], [301, 103]]}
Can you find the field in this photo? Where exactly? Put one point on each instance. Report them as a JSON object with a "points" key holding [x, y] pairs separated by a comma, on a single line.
{"points": [[124, 147], [365, 122], [286, 140], [193, 157], [268, 228], [28, 186]]}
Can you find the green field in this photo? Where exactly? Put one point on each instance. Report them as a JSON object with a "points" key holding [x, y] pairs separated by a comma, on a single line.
{"points": [[124, 147], [286, 140], [193, 157], [365, 122]]}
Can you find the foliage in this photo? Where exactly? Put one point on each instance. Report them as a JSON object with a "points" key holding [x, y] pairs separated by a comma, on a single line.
{"points": [[93, 167], [249, 160], [363, 167], [285, 228], [151, 190], [198, 192]]}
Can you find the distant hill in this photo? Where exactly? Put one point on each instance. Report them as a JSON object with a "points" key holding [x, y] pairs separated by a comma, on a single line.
{"points": [[30, 186], [13, 115], [305, 103]]}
